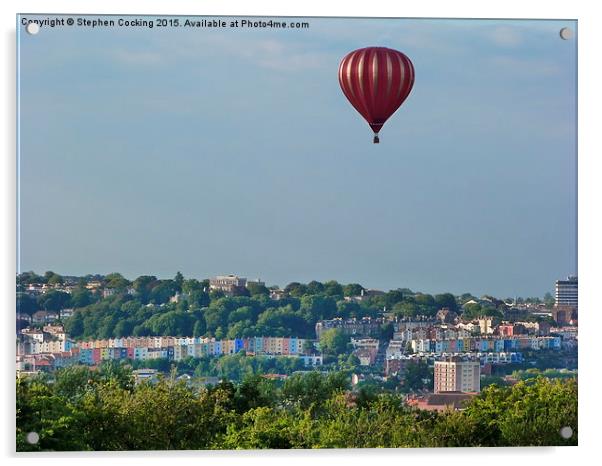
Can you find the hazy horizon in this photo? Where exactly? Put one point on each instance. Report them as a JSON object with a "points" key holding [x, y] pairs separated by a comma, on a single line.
{"points": [[131, 278]]}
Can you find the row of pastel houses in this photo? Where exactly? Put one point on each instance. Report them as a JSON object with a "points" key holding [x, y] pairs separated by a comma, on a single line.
{"points": [[486, 344], [203, 346], [193, 346], [94, 356], [53, 353]]}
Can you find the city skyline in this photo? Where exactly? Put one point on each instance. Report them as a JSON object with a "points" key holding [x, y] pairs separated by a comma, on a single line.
{"points": [[472, 189]]}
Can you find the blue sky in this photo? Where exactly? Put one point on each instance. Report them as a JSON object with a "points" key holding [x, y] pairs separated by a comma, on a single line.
{"points": [[148, 151]]}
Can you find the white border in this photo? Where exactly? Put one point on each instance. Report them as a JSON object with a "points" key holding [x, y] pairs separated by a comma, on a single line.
{"points": [[589, 214]]}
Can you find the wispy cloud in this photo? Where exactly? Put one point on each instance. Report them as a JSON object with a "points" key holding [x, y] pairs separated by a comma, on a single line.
{"points": [[138, 57], [505, 36], [526, 67]]}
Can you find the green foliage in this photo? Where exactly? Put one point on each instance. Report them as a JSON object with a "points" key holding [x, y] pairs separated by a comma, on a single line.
{"points": [[30, 278], [54, 300], [446, 300], [353, 289], [474, 310], [257, 290], [147, 309], [53, 418], [531, 413], [418, 376], [143, 286], [333, 341], [116, 281], [81, 297], [549, 300], [103, 410], [533, 373], [198, 313], [387, 332], [333, 288], [26, 304], [487, 380], [295, 289], [53, 278], [231, 366], [312, 389]]}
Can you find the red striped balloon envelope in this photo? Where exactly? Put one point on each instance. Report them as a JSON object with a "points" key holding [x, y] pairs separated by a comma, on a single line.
{"points": [[376, 80]]}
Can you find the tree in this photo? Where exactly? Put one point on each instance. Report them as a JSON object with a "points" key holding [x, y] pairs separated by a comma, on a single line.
{"points": [[426, 301], [116, 281], [54, 301], [303, 390], [318, 307], [447, 300], [352, 362], [308, 347], [178, 281], [353, 289], [531, 413], [29, 278], [214, 295], [198, 298], [75, 325], [53, 278], [40, 410], [474, 310], [171, 323], [104, 410], [26, 304], [182, 305], [418, 376], [283, 321], [333, 341], [549, 300], [256, 289], [255, 391], [81, 297], [72, 382], [143, 286], [190, 285], [315, 287], [346, 309], [198, 329], [393, 297], [262, 427], [123, 328], [333, 288], [295, 289], [387, 331], [405, 309], [163, 291]]}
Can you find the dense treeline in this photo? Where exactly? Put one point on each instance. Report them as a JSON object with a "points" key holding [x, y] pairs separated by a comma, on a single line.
{"points": [[104, 410], [230, 366], [144, 307], [222, 317], [236, 367]]}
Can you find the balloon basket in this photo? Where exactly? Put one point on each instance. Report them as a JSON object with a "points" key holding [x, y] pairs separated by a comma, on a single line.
{"points": [[376, 139]]}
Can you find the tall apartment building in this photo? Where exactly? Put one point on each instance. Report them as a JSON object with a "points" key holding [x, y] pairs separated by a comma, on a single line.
{"points": [[566, 292], [456, 375]]}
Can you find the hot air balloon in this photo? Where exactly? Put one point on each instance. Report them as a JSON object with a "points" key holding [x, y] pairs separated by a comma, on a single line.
{"points": [[376, 81]]}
